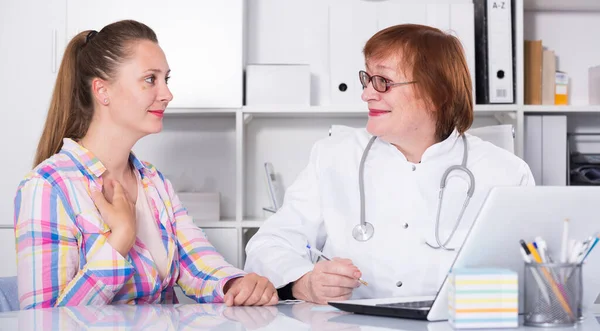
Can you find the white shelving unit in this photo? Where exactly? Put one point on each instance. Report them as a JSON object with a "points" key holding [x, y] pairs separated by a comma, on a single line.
{"points": [[277, 132]]}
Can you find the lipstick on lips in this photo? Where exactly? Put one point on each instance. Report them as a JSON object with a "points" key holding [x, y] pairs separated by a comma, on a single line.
{"points": [[159, 113], [377, 112]]}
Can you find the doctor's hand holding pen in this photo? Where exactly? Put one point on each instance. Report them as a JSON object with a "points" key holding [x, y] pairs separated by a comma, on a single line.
{"points": [[330, 280]]}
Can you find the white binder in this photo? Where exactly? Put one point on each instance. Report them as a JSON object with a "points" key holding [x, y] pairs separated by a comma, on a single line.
{"points": [[350, 26], [554, 145], [461, 26], [500, 51]]}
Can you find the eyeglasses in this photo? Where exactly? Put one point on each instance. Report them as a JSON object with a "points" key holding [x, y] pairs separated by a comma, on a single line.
{"points": [[380, 84]]}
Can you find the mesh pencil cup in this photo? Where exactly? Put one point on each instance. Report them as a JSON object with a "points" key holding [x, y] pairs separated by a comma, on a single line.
{"points": [[553, 294]]}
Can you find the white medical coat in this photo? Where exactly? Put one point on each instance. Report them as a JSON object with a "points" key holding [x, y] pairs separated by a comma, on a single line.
{"points": [[322, 207]]}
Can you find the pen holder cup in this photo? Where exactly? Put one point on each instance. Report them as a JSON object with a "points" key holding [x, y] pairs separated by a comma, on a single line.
{"points": [[553, 294]]}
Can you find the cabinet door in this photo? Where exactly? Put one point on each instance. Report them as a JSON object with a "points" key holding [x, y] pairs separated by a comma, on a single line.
{"points": [[201, 39], [225, 242], [31, 39]]}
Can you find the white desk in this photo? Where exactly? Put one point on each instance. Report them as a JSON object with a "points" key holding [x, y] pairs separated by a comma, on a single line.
{"points": [[284, 317]]}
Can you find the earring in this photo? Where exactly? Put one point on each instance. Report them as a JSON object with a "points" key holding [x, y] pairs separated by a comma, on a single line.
{"points": [[105, 101]]}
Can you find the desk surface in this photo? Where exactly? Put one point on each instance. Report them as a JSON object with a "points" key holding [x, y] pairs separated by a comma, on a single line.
{"points": [[286, 317]]}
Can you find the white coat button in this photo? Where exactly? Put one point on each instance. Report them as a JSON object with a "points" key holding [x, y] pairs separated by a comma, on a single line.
{"points": [[399, 284], [414, 167], [405, 225]]}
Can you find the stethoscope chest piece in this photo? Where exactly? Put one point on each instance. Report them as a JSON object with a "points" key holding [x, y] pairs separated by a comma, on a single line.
{"points": [[363, 232]]}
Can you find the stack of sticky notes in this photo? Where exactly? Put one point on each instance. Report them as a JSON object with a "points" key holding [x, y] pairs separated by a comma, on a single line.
{"points": [[483, 298]]}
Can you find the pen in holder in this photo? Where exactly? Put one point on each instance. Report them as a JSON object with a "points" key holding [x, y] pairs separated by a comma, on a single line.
{"points": [[562, 283]]}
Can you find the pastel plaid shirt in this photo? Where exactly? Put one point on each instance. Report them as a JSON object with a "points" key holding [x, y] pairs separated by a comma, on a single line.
{"points": [[64, 258]]}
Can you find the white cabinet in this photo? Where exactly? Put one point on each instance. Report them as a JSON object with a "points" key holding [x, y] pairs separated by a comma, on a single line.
{"points": [[201, 39], [224, 240], [31, 40]]}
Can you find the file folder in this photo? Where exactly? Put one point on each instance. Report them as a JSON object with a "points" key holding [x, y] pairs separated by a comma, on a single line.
{"points": [[500, 51], [350, 26], [482, 89]]}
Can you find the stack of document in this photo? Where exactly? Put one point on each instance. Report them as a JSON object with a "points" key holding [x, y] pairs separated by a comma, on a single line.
{"points": [[483, 298]]}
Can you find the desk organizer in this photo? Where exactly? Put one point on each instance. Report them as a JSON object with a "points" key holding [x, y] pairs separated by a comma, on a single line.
{"points": [[483, 298]]}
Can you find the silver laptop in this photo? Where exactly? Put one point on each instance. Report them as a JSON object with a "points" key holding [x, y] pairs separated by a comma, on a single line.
{"points": [[508, 215]]}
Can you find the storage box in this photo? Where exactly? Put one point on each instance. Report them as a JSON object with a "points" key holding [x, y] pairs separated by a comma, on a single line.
{"points": [[277, 84], [202, 206], [594, 85]]}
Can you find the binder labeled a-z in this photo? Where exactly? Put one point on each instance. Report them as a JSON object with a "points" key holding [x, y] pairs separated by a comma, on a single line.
{"points": [[500, 51]]}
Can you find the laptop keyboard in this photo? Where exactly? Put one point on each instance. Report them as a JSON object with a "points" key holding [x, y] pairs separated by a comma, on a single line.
{"points": [[414, 304]]}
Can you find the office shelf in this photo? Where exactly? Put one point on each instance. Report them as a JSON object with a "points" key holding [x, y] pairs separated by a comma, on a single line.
{"points": [[567, 109], [224, 223], [170, 112], [345, 110], [252, 223]]}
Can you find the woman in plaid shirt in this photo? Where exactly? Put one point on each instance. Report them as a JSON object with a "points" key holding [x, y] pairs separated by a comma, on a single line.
{"points": [[94, 224]]}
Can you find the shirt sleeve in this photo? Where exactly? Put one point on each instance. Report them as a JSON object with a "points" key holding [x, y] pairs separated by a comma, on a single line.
{"points": [[48, 253], [203, 271]]}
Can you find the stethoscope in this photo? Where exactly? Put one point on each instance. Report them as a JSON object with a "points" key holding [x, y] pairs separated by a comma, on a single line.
{"points": [[364, 231]]}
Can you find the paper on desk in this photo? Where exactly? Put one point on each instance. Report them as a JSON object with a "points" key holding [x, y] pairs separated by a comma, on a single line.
{"points": [[324, 309]]}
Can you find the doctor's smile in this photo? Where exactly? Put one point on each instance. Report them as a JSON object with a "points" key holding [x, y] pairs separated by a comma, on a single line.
{"points": [[378, 112]]}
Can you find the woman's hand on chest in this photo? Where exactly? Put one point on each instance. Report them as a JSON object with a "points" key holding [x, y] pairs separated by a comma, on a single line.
{"points": [[118, 212]]}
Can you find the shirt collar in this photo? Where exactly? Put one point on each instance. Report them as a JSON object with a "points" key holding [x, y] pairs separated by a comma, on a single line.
{"points": [[442, 147], [90, 161], [437, 149]]}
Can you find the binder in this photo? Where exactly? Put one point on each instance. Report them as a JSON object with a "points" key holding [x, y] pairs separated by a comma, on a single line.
{"points": [[500, 51], [461, 26], [350, 26], [548, 76], [533, 72], [482, 92], [554, 145], [533, 146]]}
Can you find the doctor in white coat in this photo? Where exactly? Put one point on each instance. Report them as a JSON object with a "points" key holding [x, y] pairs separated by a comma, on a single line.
{"points": [[418, 90]]}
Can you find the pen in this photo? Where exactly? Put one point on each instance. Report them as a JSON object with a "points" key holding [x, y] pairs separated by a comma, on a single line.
{"points": [[540, 245], [318, 252], [591, 246], [576, 251], [534, 253], [534, 272], [565, 242]]}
